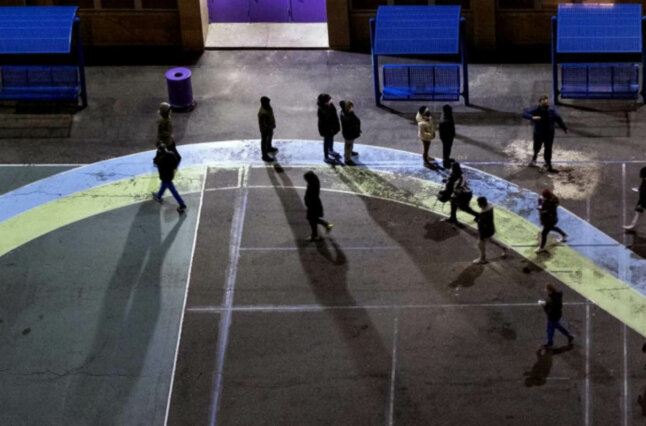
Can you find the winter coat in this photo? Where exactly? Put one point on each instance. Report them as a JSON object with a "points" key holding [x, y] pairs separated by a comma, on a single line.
{"points": [[328, 120], [547, 211], [266, 119], [425, 128], [486, 227], [313, 200], [166, 161], [447, 129], [549, 119], [165, 131], [554, 306], [350, 123]]}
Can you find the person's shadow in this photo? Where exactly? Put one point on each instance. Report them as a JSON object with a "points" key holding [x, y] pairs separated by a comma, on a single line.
{"points": [[539, 372]]}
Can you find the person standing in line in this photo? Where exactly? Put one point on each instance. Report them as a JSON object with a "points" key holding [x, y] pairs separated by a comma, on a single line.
{"points": [[314, 206], [547, 206], [166, 162], [426, 133], [267, 124], [350, 129], [461, 194], [328, 124], [553, 307], [544, 118], [641, 203], [486, 230], [447, 134]]}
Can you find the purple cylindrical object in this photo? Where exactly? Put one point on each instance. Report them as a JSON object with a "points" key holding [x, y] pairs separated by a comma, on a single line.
{"points": [[180, 91]]}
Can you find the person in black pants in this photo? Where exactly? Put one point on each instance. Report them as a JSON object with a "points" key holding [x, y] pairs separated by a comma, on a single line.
{"points": [[544, 120], [553, 308], [267, 124], [328, 124], [350, 129], [447, 134], [486, 230], [461, 194], [166, 162], [547, 206], [641, 203], [314, 206]]}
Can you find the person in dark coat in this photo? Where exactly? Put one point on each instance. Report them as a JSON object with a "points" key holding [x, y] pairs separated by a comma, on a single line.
{"points": [[166, 162], [350, 129], [267, 124], [641, 203], [544, 120], [486, 230], [447, 134], [314, 206], [328, 124], [547, 207], [460, 191], [553, 308]]}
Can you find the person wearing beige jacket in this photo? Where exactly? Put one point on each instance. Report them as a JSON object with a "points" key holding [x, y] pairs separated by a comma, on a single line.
{"points": [[426, 133]]}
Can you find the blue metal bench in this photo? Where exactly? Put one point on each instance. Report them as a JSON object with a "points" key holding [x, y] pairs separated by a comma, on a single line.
{"points": [[39, 83], [600, 80], [421, 82]]}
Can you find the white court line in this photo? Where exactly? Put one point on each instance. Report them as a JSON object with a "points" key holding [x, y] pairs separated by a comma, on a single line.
{"points": [[393, 369], [314, 246], [623, 275], [188, 281], [237, 225], [224, 188], [586, 401], [321, 308]]}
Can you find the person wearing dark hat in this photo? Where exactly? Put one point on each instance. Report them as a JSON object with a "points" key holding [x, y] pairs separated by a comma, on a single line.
{"points": [[351, 130], [544, 118], [553, 307], [641, 203], [328, 124], [166, 162], [267, 124], [547, 207], [314, 206]]}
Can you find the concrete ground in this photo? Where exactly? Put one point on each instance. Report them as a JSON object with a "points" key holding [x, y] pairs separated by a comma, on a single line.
{"points": [[385, 321]]}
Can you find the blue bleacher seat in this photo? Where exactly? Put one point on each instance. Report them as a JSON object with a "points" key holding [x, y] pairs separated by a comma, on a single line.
{"points": [[600, 80], [39, 83], [421, 82]]}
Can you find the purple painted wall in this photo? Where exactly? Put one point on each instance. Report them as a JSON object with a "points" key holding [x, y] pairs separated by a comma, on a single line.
{"points": [[267, 11]]}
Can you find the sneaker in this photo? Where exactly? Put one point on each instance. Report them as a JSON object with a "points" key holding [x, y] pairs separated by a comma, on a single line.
{"points": [[480, 261], [335, 154], [355, 153], [267, 159], [350, 163], [181, 209], [449, 220], [329, 227], [563, 239], [272, 149], [551, 169], [329, 160], [532, 163], [312, 239], [156, 198], [540, 250]]}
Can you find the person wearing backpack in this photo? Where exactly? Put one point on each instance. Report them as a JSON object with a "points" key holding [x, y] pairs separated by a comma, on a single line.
{"points": [[166, 162], [461, 194], [547, 206], [350, 129], [426, 133]]}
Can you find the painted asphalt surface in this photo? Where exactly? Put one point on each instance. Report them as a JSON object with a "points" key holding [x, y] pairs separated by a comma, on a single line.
{"points": [[26, 213]]}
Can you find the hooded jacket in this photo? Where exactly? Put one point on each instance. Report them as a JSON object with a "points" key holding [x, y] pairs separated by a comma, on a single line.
{"points": [[166, 161], [266, 120], [350, 123], [425, 128], [548, 211], [328, 119]]}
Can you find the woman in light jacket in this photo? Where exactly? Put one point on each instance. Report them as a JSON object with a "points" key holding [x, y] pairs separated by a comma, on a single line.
{"points": [[426, 133]]}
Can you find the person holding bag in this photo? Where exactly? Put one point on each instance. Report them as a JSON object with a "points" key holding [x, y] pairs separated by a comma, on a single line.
{"points": [[461, 193]]}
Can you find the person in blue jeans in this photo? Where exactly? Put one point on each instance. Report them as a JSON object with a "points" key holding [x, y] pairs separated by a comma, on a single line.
{"points": [[166, 162], [553, 308]]}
